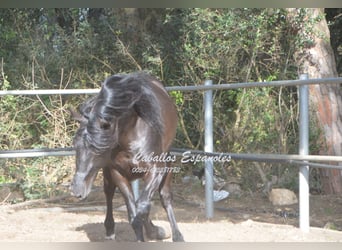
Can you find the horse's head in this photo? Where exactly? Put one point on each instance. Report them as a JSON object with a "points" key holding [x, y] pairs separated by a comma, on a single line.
{"points": [[88, 160], [107, 120], [97, 136]]}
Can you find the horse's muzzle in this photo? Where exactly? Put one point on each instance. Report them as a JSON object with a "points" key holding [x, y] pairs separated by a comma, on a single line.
{"points": [[79, 187]]}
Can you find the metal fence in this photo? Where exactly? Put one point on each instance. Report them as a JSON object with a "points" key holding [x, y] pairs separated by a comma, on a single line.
{"points": [[303, 159]]}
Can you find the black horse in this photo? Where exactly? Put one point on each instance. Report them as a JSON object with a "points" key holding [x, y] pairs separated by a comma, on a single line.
{"points": [[132, 115]]}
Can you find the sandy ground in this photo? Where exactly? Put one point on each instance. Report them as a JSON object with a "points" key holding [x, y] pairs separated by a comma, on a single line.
{"points": [[68, 220], [59, 226]]}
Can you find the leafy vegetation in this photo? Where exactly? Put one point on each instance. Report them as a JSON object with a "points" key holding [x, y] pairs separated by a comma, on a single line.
{"points": [[78, 48]]}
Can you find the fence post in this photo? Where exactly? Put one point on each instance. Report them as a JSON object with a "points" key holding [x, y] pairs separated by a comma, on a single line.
{"points": [[304, 223], [208, 147]]}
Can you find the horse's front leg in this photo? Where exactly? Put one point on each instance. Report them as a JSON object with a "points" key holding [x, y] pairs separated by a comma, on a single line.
{"points": [[152, 182], [109, 190], [125, 188]]}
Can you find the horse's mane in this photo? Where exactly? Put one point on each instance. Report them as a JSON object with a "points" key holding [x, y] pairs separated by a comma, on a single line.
{"points": [[119, 96]]}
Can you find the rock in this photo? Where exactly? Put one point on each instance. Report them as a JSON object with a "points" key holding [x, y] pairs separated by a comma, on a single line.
{"points": [[5, 192], [9, 195], [234, 189], [282, 196]]}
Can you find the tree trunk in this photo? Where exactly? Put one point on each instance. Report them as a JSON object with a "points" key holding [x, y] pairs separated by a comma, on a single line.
{"points": [[325, 99]]}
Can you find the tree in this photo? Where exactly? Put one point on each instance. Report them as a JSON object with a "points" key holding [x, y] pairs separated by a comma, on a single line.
{"points": [[316, 57], [334, 19]]}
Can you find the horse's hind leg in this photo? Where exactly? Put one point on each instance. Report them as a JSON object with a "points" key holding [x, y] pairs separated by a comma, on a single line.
{"points": [[166, 200], [154, 232], [109, 189]]}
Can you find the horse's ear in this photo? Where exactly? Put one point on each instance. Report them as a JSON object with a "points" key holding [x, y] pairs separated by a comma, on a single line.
{"points": [[77, 116]]}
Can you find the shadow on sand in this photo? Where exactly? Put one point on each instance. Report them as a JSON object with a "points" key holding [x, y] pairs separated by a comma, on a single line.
{"points": [[96, 232]]}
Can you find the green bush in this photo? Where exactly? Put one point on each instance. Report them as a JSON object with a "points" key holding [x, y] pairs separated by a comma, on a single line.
{"points": [[78, 48]]}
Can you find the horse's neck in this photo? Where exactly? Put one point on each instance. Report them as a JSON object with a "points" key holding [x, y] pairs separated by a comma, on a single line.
{"points": [[159, 85], [143, 139]]}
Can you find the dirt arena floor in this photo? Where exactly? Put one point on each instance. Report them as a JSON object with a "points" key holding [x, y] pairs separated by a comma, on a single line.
{"points": [[248, 218]]}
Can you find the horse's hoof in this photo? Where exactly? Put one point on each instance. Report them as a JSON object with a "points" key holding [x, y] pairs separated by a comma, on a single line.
{"points": [[110, 237], [162, 234], [159, 234], [177, 237]]}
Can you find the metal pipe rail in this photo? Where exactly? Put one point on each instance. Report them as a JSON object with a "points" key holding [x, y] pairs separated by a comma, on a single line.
{"points": [[291, 159], [222, 86], [295, 159]]}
